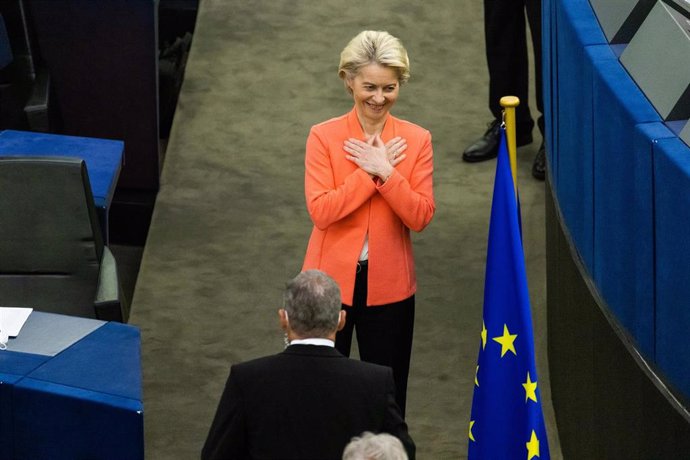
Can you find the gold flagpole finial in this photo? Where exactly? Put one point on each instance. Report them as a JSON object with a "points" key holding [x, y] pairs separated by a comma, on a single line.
{"points": [[509, 103]]}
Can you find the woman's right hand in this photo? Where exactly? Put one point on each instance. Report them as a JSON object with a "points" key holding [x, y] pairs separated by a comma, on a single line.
{"points": [[371, 156], [375, 157]]}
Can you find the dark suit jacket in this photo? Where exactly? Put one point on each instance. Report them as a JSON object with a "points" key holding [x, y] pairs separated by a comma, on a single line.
{"points": [[304, 403]]}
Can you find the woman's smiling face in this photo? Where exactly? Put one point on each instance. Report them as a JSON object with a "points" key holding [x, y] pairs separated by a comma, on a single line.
{"points": [[375, 90]]}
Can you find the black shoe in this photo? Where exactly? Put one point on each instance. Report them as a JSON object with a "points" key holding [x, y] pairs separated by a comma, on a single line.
{"points": [[539, 165], [486, 147]]}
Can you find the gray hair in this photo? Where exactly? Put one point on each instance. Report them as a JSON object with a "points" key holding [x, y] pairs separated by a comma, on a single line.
{"points": [[312, 302], [374, 47], [372, 446]]}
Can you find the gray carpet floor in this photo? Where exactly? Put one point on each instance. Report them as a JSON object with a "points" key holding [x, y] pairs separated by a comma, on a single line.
{"points": [[230, 225]]}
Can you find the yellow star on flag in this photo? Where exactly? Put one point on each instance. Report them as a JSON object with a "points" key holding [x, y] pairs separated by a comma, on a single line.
{"points": [[532, 446], [530, 389], [483, 334], [506, 340], [476, 382], [471, 425]]}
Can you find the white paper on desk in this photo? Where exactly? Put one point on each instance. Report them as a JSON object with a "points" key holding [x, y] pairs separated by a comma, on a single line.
{"points": [[12, 319]]}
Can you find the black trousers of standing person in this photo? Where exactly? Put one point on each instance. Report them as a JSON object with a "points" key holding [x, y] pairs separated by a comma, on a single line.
{"points": [[384, 334], [506, 53]]}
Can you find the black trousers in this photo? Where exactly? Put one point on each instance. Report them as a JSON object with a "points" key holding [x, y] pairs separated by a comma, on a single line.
{"points": [[506, 54], [384, 334]]}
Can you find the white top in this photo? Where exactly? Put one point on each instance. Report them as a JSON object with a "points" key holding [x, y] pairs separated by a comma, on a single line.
{"points": [[321, 342], [364, 255]]}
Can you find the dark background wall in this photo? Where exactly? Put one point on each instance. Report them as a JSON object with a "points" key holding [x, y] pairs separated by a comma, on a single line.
{"points": [[609, 403], [110, 69]]}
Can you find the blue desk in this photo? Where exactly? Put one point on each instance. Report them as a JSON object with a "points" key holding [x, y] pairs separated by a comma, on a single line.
{"points": [[103, 159], [71, 388]]}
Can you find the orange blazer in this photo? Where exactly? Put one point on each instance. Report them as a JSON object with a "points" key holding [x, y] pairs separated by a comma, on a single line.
{"points": [[345, 204]]}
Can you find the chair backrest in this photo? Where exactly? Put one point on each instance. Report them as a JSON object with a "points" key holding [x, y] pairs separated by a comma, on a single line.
{"points": [[50, 240], [5, 50]]}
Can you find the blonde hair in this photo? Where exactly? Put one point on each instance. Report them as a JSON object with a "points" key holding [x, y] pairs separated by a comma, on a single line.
{"points": [[374, 47]]}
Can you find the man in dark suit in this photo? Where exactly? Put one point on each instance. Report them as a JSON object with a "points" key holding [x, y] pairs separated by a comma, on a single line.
{"points": [[308, 401], [505, 34]]}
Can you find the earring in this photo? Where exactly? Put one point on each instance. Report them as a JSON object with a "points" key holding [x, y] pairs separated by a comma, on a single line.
{"points": [[286, 342]]}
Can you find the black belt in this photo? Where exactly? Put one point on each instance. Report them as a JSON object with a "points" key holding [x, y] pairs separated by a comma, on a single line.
{"points": [[360, 264]]}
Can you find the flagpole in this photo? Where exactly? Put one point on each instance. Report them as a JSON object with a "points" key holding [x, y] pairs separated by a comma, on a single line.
{"points": [[506, 421], [509, 103]]}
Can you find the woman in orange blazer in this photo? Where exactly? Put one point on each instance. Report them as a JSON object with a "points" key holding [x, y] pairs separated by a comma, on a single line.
{"points": [[368, 181]]}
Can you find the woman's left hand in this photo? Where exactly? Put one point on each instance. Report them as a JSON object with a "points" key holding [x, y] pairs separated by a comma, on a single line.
{"points": [[395, 148], [375, 157]]}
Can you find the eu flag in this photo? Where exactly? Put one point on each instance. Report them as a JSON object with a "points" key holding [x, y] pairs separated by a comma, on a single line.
{"points": [[506, 420]]}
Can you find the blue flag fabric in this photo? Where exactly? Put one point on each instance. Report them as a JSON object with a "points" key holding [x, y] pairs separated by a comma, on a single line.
{"points": [[507, 420]]}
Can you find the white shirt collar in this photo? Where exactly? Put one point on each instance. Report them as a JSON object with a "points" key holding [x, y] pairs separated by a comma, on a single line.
{"points": [[321, 342]]}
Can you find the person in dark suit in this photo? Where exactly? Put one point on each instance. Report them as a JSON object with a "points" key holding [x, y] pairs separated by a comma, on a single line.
{"points": [[506, 54], [308, 401]]}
